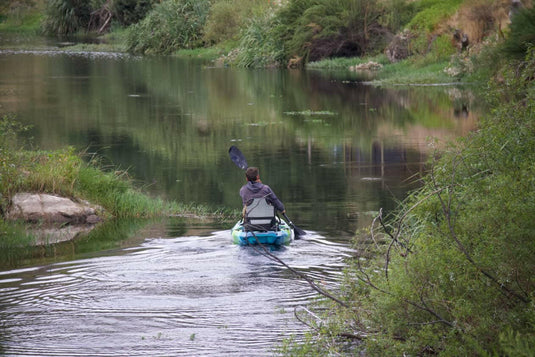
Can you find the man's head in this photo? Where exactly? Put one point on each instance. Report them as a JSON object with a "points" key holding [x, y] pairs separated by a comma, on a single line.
{"points": [[251, 174]]}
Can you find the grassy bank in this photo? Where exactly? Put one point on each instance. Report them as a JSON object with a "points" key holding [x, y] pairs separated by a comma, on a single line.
{"points": [[67, 173], [417, 70]]}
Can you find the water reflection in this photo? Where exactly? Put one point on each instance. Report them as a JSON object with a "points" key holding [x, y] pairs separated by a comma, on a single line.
{"points": [[333, 149]]}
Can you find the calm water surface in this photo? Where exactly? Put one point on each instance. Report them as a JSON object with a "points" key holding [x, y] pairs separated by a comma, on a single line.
{"points": [[334, 150], [189, 295]]}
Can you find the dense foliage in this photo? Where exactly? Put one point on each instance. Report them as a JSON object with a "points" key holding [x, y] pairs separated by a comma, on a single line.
{"points": [[171, 25], [289, 32], [64, 17], [451, 273], [522, 33], [128, 12], [228, 17], [310, 30]]}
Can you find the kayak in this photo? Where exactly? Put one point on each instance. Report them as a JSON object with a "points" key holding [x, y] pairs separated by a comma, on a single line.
{"points": [[282, 234]]}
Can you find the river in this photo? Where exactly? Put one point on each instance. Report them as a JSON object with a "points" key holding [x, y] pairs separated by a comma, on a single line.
{"points": [[334, 149]]}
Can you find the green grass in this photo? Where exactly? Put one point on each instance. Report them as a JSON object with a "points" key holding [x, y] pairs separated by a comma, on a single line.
{"points": [[420, 70], [346, 62], [27, 23], [432, 12], [411, 72], [206, 53]]}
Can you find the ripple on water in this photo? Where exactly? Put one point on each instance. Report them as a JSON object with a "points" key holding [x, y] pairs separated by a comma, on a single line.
{"points": [[174, 296]]}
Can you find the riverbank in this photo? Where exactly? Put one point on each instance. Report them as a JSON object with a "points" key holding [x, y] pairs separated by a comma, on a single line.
{"points": [[66, 173], [414, 71], [450, 271]]}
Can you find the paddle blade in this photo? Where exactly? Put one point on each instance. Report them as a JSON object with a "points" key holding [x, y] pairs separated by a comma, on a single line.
{"points": [[298, 232], [237, 157]]}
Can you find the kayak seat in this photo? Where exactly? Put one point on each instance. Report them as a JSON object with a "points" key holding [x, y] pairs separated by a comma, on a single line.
{"points": [[260, 215]]}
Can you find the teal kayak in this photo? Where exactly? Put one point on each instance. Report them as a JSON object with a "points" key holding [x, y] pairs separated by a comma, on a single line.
{"points": [[281, 234]]}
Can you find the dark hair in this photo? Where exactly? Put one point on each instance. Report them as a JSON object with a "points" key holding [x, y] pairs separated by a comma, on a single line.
{"points": [[251, 173]]}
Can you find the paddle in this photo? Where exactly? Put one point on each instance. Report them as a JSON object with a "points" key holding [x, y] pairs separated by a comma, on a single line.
{"points": [[239, 159]]}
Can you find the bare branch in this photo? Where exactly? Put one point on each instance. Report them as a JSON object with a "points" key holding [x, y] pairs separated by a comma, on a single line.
{"points": [[302, 321], [305, 277]]}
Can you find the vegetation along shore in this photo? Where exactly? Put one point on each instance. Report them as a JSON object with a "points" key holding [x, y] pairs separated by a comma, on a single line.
{"points": [[450, 272]]}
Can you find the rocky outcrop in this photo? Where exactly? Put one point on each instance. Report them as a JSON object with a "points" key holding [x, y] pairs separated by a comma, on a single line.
{"points": [[59, 218], [399, 47], [370, 66], [46, 208]]}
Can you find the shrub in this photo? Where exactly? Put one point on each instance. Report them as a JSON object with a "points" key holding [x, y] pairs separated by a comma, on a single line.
{"points": [[432, 12], [442, 48], [169, 26], [397, 14], [522, 34], [258, 46], [228, 17], [316, 29], [11, 159], [128, 12], [63, 17], [223, 22]]}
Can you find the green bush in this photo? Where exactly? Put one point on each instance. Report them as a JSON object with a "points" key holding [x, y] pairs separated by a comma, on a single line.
{"points": [[11, 159], [128, 12], [522, 34], [429, 13], [397, 14], [317, 29], [63, 17], [258, 47], [169, 26], [228, 17], [223, 23], [442, 48]]}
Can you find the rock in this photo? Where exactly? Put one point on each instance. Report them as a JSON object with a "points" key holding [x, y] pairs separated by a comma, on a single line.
{"points": [[51, 235], [295, 62], [51, 209], [399, 47], [370, 66], [516, 5]]}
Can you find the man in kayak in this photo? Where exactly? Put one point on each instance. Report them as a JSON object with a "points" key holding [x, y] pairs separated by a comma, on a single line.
{"points": [[254, 188]]}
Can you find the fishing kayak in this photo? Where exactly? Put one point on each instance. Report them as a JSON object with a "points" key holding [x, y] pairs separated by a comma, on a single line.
{"points": [[281, 234]]}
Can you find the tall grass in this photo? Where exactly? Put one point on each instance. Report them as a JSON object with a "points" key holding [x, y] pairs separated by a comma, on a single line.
{"points": [[258, 46], [171, 25], [64, 17]]}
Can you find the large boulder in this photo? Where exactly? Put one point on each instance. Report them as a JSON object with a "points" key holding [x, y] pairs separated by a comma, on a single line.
{"points": [[399, 47], [46, 208]]}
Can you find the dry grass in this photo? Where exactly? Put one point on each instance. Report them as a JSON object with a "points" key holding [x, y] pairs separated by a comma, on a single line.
{"points": [[480, 19]]}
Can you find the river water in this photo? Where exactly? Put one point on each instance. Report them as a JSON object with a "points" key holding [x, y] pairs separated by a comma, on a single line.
{"points": [[334, 149]]}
